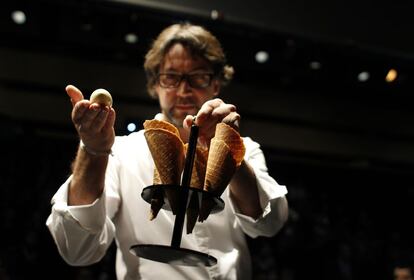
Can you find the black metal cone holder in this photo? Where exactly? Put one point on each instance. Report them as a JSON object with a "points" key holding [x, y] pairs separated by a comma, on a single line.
{"points": [[174, 254]]}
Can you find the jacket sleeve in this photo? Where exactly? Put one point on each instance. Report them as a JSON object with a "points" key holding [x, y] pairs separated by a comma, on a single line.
{"points": [[83, 233], [271, 194]]}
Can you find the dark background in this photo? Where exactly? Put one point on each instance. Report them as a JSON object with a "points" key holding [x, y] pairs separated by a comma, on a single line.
{"points": [[343, 148]]}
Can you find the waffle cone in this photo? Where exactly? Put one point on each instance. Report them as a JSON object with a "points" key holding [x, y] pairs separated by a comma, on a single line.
{"points": [[220, 169], [149, 124], [199, 169], [156, 178], [157, 199], [192, 212], [167, 150], [232, 138], [207, 205]]}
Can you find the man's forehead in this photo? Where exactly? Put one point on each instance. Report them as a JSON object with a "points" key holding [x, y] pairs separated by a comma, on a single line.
{"points": [[184, 60]]}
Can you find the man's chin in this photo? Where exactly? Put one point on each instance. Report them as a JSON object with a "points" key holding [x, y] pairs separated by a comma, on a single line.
{"points": [[177, 121]]}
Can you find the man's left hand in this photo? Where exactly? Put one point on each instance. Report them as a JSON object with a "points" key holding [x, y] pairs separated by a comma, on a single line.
{"points": [[212, 112]]}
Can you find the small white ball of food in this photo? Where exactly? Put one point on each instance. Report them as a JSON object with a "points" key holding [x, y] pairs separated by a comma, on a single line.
{"points": [[102, 97]]}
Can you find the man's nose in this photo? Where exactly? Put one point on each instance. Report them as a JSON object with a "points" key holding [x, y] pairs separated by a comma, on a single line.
{"points": [[184, 88]]}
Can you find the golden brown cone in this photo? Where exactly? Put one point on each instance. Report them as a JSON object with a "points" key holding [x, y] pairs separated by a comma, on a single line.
{"points": [[207, 204], [232, 138], [149, 124], [192, 212], [156, 179], [158, 124], [157, 199], [199, 169], [220, 169], [167, 150], [197, 181]]}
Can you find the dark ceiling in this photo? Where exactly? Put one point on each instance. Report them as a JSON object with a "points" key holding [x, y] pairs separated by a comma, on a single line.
{"points": [[322, 115], [344, 43]]}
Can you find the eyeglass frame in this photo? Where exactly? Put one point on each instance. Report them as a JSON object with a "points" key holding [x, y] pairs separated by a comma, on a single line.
{"points": [[186, 78]]}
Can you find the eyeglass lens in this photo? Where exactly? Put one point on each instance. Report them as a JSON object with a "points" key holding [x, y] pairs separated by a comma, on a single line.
{"points": [[197, 80]]}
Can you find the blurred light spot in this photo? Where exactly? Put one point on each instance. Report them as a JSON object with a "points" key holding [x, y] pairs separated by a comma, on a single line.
{"points": [[131, 38], [363, 76], [131, 127], [215, 15], [391, 75], [19, 17], [262, 57]]}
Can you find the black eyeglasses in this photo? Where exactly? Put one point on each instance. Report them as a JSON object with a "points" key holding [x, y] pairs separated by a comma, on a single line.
{"points": [[195, 80]]}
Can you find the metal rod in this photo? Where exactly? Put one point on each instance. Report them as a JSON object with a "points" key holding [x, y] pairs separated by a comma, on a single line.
{"points": [[183, 191]]}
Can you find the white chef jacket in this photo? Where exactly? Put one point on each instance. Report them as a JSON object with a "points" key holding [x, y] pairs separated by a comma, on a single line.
{"points": [[84, 233]]}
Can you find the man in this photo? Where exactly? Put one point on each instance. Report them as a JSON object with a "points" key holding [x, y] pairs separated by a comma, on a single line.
{"points": [[101, 200]]}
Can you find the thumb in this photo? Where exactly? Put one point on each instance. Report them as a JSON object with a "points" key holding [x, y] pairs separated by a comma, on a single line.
{"points": [[188, 121], [74, 93]]}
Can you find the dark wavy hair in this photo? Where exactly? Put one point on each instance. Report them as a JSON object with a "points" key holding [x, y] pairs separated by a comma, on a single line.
{"points": [[199, 41]]}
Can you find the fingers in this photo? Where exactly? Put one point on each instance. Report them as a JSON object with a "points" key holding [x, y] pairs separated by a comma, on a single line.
{"points": [[92, 118], [110, 121], [188, 121], [232, 119], [211, 113], [96, 127], [223, 110], [95, 118], [207, 110], [79, 110], [74, 93], [215, 111]]}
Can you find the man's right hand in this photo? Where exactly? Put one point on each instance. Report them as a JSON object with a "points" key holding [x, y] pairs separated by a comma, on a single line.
{"points": [[93, 122]]}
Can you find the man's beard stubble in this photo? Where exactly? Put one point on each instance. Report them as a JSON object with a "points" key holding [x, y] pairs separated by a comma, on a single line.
{"points": [[170, 117], [178, 122]]}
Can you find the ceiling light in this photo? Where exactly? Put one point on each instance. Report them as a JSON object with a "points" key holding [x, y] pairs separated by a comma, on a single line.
{"points": [[262, 56], [131, 127], [19, 17], [363, 76], [391, 75], [131, 38], [215, 15]]}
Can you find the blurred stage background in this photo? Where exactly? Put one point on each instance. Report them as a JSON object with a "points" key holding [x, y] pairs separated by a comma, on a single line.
{"points": [[326, 88]]}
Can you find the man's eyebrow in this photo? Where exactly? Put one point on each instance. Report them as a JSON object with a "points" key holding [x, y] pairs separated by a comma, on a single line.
{"points": [[174, 70]]}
